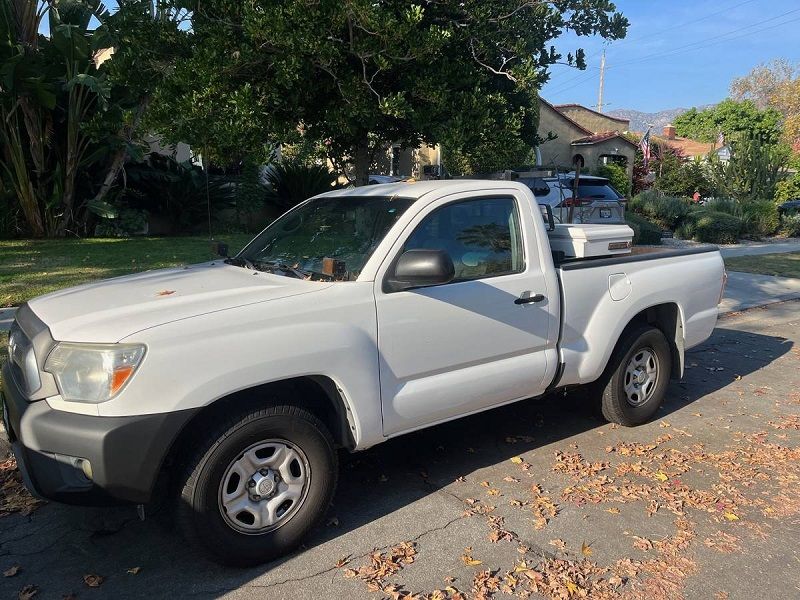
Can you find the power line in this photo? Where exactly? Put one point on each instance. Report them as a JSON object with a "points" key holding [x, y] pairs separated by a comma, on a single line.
{"points": [[671, 28], [692, 22], [704, 43]]}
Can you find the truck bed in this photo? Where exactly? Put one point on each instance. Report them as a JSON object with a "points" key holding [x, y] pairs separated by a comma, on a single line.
{"points": [[602, 295], [638, 254]]}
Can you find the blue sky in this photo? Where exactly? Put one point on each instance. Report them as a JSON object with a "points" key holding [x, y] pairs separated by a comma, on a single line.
{"points": [[679, 53]]}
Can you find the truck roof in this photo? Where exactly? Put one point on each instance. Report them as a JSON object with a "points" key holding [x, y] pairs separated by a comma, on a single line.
{"points": [[418, 189]]}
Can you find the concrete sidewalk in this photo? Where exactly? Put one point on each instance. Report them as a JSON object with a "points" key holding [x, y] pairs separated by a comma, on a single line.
{"points": [[748, 290], [760, 248]]}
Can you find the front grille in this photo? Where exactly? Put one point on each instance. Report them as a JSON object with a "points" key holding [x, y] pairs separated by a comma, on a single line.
{"points": [[23, 360]]}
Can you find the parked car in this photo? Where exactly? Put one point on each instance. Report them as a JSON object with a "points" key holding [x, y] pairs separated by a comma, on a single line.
{"points": [[358, 316], [597, 202], [792, 206]]}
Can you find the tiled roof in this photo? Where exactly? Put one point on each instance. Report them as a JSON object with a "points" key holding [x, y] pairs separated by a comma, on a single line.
{"points": [[600, 137], [688, 147], [574, 105]]}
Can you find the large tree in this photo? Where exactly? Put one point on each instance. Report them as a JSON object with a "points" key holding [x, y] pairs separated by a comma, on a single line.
{"points": [[730, 118], [360, 74], [68, 114]]}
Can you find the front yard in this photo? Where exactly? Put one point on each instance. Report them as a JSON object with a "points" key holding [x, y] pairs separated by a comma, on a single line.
{"points": [[780, 265], [30, 268]]}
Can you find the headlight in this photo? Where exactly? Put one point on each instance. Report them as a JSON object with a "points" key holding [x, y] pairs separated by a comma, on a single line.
{"points": [[93, 372]]}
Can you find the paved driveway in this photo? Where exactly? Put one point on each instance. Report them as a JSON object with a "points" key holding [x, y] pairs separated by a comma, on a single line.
{"points": [[536, 497]]}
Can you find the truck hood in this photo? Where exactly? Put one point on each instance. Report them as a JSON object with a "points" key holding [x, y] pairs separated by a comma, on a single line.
{"points": [[107, 311]]}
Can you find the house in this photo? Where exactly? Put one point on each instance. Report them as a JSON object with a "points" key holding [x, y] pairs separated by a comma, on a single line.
{"points": [[571, 132], [583, 135], [692, 149]]}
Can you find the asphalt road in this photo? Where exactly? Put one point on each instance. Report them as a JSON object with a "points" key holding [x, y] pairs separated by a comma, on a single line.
{"points": [[536, 497]]}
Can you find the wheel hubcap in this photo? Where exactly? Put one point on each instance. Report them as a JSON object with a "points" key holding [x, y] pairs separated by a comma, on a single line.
{"points": [[263, 487], [641, 377]]}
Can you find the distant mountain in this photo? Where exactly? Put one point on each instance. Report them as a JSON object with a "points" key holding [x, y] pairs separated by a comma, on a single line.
{"points": [[640, 121]]}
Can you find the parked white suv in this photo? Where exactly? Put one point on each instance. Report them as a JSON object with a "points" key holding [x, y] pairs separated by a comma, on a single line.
{"points": [[359, 315], [597, 202]]}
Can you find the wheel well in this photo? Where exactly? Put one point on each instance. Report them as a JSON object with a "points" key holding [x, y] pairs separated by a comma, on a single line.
{"points": [[316, 393], [667, 318]]}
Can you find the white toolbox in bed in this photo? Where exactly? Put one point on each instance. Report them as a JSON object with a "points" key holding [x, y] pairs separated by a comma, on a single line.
{"points": [[588, 241]]}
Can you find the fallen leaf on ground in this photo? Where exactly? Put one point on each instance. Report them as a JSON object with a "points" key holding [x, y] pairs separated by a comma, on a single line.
{"points": [[12, 570], [586, 549], [517, 460], [558, 543], [28, 592], [93, 581], [343, 561], [731, 516], [134, 570]]}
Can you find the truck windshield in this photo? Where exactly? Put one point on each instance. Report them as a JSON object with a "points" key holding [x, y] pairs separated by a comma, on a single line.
{"points": [[325, 239]]}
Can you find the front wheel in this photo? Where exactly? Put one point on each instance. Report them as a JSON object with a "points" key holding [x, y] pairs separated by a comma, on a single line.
{"points": [[637, 378], [258, 484]]}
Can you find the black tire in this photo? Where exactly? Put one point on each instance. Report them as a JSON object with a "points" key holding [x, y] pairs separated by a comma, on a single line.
{"points": [[199, 514], [614, 403]]}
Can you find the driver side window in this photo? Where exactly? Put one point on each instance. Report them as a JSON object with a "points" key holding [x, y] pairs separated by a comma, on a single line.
{"points": [[483, 237]]}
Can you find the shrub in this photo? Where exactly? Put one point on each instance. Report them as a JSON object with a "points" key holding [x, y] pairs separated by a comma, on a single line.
{"points": [[760, 218], [667, 212], [618, 176], [644, 232], [788, 189], [726, 205], [791, 225], [716, 227], [291, 182]]}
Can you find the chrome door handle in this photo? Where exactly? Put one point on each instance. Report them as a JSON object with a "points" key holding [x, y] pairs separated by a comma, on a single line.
{"points": [[530, 299]]}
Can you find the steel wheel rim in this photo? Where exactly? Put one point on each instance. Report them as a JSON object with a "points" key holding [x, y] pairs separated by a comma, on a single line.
{"points": [[264, 486], [641, 377]]}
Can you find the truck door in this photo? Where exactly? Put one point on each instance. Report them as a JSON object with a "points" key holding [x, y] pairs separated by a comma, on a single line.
{"points": [[479, 341]]}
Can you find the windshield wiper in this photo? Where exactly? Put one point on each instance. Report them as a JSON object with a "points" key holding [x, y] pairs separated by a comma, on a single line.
{"points": [[293, 271], [238, 261]]}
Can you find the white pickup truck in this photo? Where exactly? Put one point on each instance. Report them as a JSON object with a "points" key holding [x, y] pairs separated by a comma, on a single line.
{"points": [[360, 315]]}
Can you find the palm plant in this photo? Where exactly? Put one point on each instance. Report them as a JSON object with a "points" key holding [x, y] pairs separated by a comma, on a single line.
{"points": [[291, 182]]}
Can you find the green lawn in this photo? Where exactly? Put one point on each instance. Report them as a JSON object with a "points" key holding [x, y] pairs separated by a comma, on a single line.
{"points": [[782, 265], [30, 268]]}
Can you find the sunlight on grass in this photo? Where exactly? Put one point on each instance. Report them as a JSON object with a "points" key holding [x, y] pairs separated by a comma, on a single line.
{"points": [[30, 268], [780, 265]]}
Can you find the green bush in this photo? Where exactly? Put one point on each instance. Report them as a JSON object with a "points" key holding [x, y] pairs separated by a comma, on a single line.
{"points": [[716, 227], [644, 232], [291, 182], [618, 176], [788, 189], [791, 225], [666, 211], [760, 218], [726, 205]]}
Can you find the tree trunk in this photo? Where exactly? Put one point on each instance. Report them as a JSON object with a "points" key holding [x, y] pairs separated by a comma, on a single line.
{"points": [[362, 163], [126, 133]]}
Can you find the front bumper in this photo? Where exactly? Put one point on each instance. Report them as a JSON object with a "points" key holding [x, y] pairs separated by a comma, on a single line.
{"points": [[125, 453]]}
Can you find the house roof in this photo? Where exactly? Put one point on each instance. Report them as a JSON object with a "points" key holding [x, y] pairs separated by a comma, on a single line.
{"points": [[591, 110], [598, 138], [565, 117], [688, 147]]}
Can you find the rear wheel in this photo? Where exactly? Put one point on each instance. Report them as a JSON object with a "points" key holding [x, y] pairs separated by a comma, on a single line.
{"points": [[636, 381], [258, 484]]}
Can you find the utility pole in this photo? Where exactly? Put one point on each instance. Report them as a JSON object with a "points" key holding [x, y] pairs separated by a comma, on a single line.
{"points": [[602, 81]]}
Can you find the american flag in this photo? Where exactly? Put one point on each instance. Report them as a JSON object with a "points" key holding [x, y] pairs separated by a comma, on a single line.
{"points": [[721, 139], [644, 145]]}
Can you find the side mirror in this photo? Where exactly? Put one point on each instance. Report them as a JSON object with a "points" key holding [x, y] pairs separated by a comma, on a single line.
{"points": [[419, 268], [220, 249]]}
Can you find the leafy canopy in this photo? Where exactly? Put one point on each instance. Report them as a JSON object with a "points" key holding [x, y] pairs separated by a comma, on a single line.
{"points": [[358, 74], [730, 117]]}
